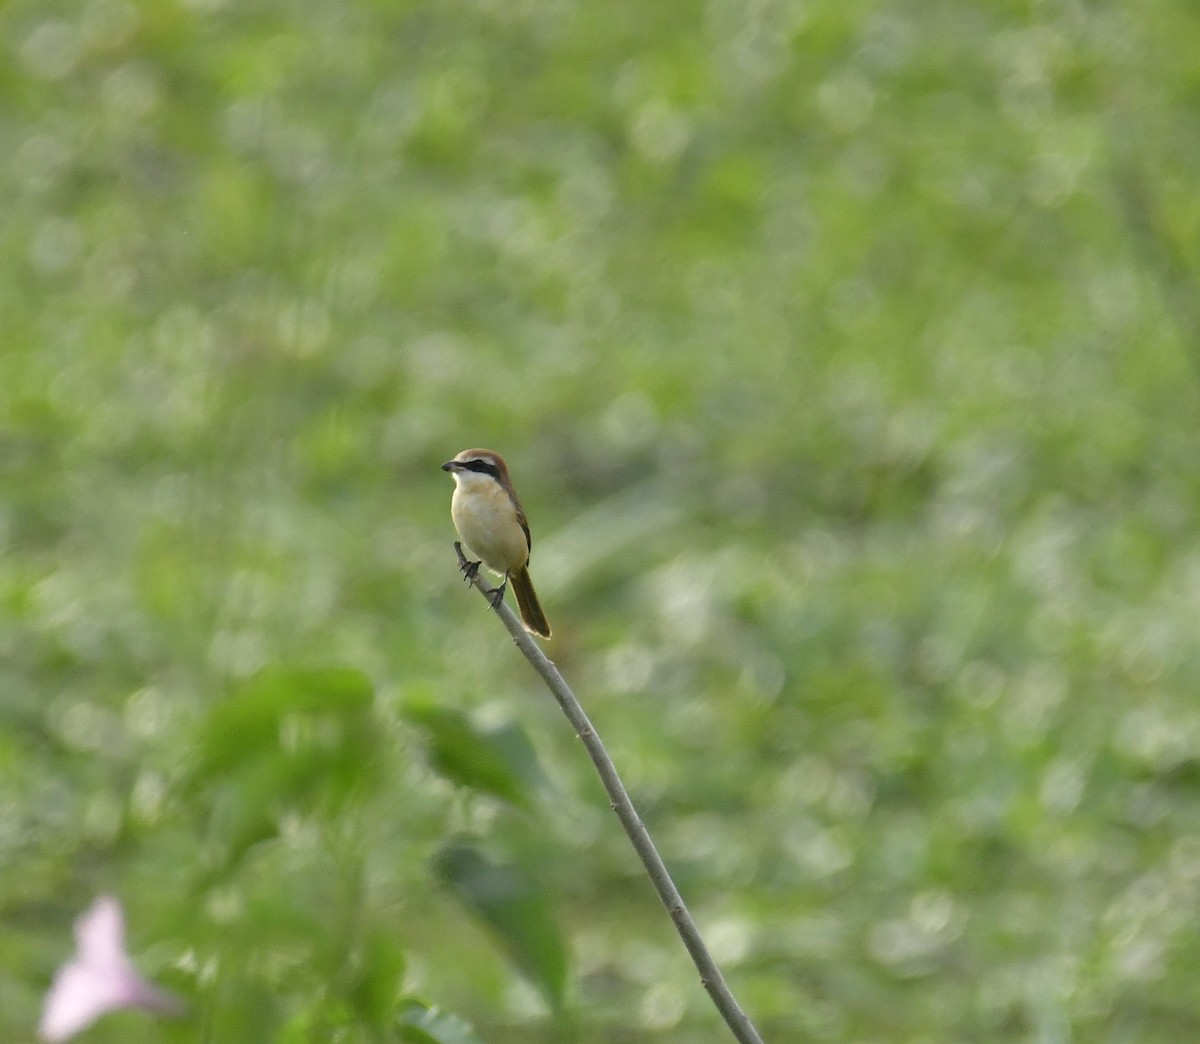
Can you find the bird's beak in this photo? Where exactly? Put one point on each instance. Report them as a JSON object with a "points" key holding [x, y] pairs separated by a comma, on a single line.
{"points": [[451, 465]]}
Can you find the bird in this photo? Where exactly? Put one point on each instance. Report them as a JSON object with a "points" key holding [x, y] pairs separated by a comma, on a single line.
{"points": [[491, 522]]}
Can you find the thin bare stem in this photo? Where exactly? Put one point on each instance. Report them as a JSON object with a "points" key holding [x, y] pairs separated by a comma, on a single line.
{"points": [[710, 975]]}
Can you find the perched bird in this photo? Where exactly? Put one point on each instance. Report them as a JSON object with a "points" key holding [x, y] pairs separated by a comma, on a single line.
{"points": [[491, 522]]}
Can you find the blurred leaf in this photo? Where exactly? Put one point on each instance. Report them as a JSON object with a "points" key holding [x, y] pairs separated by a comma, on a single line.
{"points": [[242, 814], [252, 718], [381, 975], [288, 740], [422, 1023], [499, 761], [515, 907]]}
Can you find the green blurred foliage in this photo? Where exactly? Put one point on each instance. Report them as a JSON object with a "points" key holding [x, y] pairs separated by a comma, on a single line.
{"points": [[498, 760], [845, 356], [421, 1024], [512, 903]]}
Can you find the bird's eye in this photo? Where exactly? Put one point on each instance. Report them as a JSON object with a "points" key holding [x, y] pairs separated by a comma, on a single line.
{"points": [[485, 467]]}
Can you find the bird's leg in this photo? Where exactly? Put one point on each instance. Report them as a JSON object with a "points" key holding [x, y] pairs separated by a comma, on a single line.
{"points": [[496, 594], [468, 568]]}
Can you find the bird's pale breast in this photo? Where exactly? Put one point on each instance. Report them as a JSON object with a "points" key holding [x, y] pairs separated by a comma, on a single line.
{"points": [[487, 522]]}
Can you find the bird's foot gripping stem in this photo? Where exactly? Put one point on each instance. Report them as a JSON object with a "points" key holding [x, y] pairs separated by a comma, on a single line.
{"points": [[468, 568], [496, 594]]}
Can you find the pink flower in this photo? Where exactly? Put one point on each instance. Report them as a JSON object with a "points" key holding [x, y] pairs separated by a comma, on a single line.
{"points": [[99, 978]]}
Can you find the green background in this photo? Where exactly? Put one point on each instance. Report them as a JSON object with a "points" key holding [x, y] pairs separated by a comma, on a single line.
{"points": [[845, 357]]}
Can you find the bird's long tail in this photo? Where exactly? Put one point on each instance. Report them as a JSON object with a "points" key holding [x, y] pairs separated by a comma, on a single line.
{"points": [[527, 601]]}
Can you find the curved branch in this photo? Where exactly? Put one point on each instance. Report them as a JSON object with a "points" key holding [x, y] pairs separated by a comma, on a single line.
{"points": [[710, 975]]}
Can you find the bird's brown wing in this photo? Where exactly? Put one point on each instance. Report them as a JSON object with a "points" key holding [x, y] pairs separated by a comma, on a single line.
{"points": [[520, 510], [524, 526]]}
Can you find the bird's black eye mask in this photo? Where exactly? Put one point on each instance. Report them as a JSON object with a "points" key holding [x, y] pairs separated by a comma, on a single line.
{"points": [[484, 466]]}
